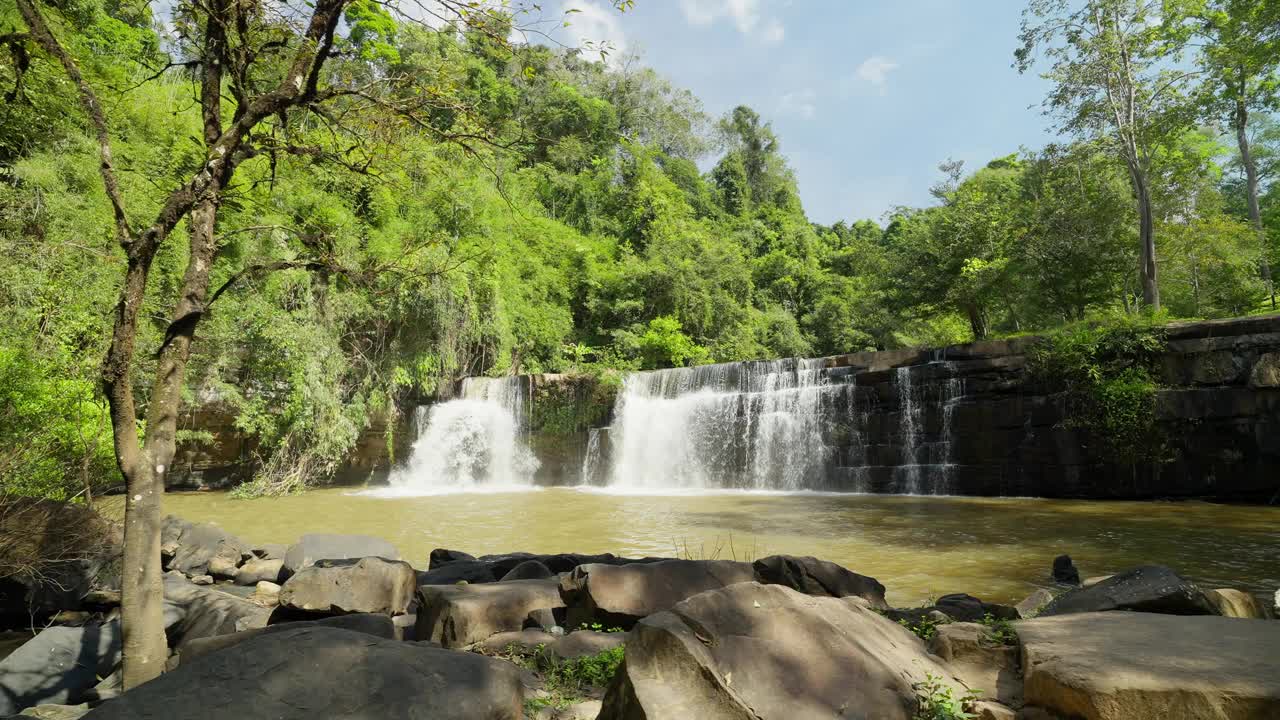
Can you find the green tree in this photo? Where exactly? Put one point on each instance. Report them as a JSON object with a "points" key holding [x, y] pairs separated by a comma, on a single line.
{"points": [[1239, 59], [1113, 65]]}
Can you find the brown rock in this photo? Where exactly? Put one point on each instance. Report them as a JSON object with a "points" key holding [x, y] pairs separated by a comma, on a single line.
{"points": [[1237, 604], [766, 652], [257, 570], [980, 661], [987, 710], [460, 615], [1148, 666], [367, 585], [619, 595]]}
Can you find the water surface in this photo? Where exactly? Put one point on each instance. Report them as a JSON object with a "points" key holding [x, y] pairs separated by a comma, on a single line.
{"points": [[997, 548]]}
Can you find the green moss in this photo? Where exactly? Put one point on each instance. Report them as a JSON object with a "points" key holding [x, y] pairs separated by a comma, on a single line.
{"points": [[573, 404], [1107, 374]]}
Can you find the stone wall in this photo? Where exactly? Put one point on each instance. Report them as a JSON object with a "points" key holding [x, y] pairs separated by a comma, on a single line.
{"points": [[983, 425], [1219, 414]]}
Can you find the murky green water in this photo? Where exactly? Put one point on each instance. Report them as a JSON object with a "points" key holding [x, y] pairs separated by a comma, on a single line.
{"points": [[998, 549]]}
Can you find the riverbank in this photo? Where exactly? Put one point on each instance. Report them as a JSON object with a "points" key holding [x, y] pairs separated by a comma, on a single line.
{"points": [[258, 630]]}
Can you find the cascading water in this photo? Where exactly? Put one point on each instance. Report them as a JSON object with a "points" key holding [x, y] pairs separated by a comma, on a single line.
{"points": [[751, 425], [475, 441], [925, 466]]}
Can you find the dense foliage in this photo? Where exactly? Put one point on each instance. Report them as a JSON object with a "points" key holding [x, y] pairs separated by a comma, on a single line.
{"points": [[596, 218]]}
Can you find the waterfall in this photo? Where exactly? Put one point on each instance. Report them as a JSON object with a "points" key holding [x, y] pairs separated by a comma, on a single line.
{"points": [[755, 425], [925, 467], [474, 441], [591, 460]]}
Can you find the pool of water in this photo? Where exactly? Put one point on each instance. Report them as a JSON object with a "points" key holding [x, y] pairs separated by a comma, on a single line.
{"points": [[999, 549]]}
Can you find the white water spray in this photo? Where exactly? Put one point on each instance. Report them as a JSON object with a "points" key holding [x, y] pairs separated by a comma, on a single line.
{"points": [[754, 425], [473, 442]]}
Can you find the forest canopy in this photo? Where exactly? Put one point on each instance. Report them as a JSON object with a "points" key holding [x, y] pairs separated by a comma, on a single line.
{"points": [[555, 211]]}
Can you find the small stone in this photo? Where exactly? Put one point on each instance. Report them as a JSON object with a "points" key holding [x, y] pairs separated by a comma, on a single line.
{"points": [[1064, 571], [202, 580], [987, 710], [266, 588], [1030, 606]]}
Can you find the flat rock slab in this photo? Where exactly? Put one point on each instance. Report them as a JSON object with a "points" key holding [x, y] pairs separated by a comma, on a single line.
{"points": [[1147, 666], [367, 585], [57, 665], [766, 652], [461, 615], [317, 672]]}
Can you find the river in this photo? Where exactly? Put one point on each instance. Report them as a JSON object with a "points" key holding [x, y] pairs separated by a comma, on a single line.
{"points": [[997, 548]]}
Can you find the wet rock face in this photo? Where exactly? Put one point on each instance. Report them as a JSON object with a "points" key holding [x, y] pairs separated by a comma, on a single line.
{"points": [[1150, 588], [318, 672]]}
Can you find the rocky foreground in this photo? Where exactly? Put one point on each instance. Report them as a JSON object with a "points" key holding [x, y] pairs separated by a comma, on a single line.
{"points": [[338, 626]]}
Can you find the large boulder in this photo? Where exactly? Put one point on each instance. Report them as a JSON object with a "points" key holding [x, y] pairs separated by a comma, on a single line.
{"points": [[367, 623], [460, 615], [58, 665], [193, 612], [312, 548], [812, 576], [1148, 666], [319, 672], [619, 595], [205, 549], [766, 652], [1150, 588], [367, 585]]}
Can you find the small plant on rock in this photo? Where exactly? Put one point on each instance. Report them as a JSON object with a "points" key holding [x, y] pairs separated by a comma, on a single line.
{"points": [[999, 632], [924, 628], [937, 701]]}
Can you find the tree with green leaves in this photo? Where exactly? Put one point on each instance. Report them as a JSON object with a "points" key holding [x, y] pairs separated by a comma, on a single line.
{"points": [[1240, 59], [1114, 69]]}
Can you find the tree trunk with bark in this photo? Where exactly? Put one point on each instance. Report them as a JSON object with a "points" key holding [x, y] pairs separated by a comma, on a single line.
{"points": [[1251, 192]]}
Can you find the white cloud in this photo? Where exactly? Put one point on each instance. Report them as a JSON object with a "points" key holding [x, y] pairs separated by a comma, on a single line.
{"points": [[744, 15], [875, 70], [800, 102], [595, 26]]}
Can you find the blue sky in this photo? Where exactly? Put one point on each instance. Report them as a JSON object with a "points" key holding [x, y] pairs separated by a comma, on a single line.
{"points": [[867, 96]]}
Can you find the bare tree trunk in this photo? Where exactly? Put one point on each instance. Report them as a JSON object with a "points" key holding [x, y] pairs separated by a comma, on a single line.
{"points": [[977, 322], [1251, 187], [1147, 270]]}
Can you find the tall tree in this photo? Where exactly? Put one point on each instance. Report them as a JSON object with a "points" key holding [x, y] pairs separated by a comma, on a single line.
{"points": [[256, 71], [1240, 57], [1115, 77]]}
